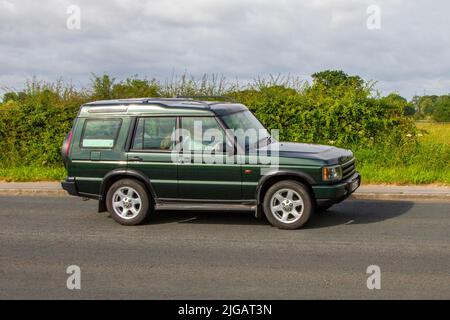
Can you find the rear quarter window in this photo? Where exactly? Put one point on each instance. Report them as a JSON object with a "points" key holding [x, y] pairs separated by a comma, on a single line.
{"points": [[100, 133]]}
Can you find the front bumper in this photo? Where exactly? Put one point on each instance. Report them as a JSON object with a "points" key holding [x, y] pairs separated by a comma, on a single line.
{"points": [[334, 193], [70, 186]]}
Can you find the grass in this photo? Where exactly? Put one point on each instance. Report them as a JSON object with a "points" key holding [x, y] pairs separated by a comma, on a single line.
{"points": [[30, 173], [427, 163], [437, 132], [414, 174]]}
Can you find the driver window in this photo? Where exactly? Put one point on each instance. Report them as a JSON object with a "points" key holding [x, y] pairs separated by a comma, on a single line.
{"points": [[210, 135]]}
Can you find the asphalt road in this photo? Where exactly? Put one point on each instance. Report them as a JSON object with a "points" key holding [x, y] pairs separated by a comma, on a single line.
{"points": [[185, 255]]}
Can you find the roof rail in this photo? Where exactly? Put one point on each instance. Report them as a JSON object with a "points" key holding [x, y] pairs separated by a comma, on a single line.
{"points": [[198, 97]]}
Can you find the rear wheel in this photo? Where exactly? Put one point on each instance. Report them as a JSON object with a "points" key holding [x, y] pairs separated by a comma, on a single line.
{"points": [[128, 202], [288, 204]]}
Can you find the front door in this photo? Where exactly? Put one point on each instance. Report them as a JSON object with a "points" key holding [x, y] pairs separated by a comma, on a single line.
{"points": [[207, 170]]}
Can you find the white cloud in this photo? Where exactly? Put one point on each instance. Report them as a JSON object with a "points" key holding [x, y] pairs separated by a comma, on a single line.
{"points": [[237, 38], [7, 6]]}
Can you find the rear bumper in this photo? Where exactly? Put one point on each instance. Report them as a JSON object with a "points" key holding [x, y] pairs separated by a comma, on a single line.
{"points": [[70, 186], [331, 194]]}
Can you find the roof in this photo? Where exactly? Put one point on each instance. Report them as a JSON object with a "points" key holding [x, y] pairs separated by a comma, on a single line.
{"points": [[140, 105]]}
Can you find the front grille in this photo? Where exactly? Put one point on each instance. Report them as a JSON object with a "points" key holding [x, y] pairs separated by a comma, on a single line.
{"points": [[348, 169]]}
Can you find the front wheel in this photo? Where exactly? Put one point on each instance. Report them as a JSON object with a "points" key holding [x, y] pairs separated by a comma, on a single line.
{"points": [[128, 202], [288, 204]]}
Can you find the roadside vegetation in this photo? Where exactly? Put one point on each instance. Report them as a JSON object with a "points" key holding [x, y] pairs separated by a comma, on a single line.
{"points": [[427, 162], [335, 108]]}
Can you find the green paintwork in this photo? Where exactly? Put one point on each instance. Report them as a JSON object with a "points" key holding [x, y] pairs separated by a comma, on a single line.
{"points": [[161, 170], [210, 181], [250, 181]]}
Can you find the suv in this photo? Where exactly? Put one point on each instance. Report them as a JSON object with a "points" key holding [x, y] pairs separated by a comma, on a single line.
{"points": [[139, 155]]}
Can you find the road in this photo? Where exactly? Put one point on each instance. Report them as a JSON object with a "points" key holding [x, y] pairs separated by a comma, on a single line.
{"points": [[188, 255]]}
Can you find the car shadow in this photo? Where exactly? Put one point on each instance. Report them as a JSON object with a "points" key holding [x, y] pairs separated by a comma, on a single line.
{"points": [[348, 212], [359, 212], [208, 217]]}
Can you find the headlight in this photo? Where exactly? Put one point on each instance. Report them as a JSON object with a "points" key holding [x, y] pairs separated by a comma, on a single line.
{"points": [[332, 173]]}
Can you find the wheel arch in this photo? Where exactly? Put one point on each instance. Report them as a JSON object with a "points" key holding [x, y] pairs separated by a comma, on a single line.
{"points": [[118, 174], [267, 181]]}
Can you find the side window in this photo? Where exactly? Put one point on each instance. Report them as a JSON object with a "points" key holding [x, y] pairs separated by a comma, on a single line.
{"points": [[155, 133], [100, 133], [200, 133]]}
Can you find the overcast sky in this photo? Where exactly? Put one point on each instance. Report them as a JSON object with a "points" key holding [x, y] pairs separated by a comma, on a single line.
{"points": [[409, 53]]}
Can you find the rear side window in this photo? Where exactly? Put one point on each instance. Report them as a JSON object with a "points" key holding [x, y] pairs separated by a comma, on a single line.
{"points": [[155, 133], [100, 133]]}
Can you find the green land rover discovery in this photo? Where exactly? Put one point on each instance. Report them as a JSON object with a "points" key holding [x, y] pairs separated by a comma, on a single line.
{"points": [[140, 155]]}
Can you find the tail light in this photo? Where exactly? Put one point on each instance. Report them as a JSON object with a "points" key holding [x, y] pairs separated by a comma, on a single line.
{"points": [[65, 150], [69, 140]]}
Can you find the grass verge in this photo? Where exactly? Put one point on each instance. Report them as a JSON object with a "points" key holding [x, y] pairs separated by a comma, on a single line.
{"points": [[31, 173]]}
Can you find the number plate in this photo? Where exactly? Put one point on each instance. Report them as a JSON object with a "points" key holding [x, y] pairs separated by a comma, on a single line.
{"points": [[354, 185]]}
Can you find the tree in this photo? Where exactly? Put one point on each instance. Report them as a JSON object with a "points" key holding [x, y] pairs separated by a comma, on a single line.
{"points": [[432, 107], [442, 109], [102, 86], [14, 96], [134, 88], [398, 101], [335, 78]]}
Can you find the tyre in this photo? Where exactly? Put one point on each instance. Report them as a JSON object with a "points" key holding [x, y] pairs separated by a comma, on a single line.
{"points": [[288, 204], [128, 202]]}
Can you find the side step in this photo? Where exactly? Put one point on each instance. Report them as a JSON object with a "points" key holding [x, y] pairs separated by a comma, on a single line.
{"points": [[205, 206]]}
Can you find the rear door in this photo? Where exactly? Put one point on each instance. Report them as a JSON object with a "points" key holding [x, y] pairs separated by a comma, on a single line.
{"points": [[97, 149], [151, 153]]}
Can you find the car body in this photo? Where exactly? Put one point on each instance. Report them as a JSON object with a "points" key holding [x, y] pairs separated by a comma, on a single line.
{"points": [[138, 140]]}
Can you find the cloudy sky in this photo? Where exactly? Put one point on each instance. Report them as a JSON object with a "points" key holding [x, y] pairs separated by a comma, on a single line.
{"points": [[244, 39]]}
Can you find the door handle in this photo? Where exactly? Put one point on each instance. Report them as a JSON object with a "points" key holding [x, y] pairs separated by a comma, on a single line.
{"points": [[184, 159], [136, 158]]}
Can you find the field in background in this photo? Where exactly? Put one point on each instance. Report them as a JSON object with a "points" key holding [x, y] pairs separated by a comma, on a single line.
{"points": [[429, 163], [437, 132]]}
